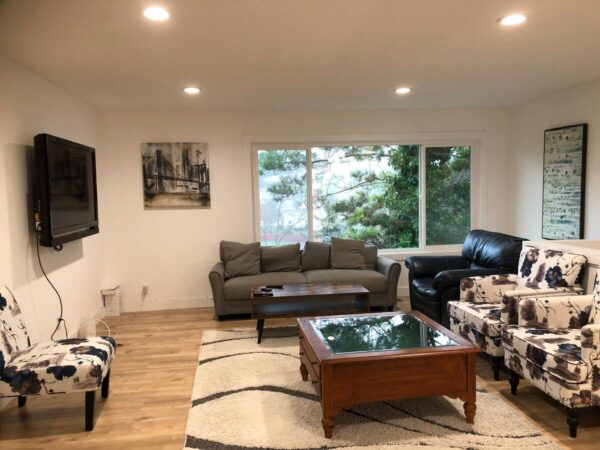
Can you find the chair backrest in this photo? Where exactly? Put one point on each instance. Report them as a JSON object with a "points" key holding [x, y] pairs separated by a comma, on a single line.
{"points": [[13, 332], [543, 269], [595, 312], [488, 249]]}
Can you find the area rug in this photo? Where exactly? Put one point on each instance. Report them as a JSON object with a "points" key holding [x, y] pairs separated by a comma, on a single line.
{"points": [[249, 397]]}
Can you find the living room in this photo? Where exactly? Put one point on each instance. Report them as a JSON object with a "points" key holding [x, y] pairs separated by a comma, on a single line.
{"points": [[273, 76]]}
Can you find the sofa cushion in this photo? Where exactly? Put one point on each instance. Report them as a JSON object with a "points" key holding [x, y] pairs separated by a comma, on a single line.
{"points": [[285, 258], [424, 287], [316, 256], [375, 282], [239, 288], [483, 317], [347, 253], [370, 257], [240, 259], [556, 351]]}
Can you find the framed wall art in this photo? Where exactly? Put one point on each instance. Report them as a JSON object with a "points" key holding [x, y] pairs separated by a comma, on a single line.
{"points": [[176, 175], [564, 182]]}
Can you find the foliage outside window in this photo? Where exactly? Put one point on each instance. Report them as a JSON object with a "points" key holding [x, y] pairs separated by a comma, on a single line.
{"points": [[368, 192]]}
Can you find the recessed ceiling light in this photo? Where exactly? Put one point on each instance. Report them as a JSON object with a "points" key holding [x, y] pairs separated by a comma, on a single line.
{"points": [[403, 90], [512, 20], [156, 13], [190, 90]]}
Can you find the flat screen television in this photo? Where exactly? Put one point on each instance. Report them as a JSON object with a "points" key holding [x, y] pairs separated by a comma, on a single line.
{"points": [[66, 201]]}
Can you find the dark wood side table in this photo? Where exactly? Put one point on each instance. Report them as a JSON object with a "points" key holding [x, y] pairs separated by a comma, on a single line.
{"points": [[301, 300]]}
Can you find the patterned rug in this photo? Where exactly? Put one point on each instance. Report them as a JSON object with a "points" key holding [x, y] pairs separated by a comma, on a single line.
{"points": [[249, 397]]}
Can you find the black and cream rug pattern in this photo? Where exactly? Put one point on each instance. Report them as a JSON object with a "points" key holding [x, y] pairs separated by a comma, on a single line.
{"points": [[249, 397]]}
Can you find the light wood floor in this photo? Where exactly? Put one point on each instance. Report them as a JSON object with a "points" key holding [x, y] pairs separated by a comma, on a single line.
{"points": [[151, 383]]}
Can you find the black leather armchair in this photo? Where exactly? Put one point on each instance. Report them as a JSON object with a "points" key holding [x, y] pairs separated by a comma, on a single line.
{"points": [[435, 280]]}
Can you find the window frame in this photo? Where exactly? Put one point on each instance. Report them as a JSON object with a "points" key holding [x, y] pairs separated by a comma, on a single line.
{"points": [[475, 140]]}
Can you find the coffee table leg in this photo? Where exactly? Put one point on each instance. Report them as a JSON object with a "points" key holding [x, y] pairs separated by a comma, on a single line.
{"points": [[327, 400], [469, 406], [260, 326], [303, 372], [328, 426]]}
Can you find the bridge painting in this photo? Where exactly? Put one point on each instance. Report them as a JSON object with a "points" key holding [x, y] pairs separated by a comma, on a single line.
{"points": [[176, 175]]}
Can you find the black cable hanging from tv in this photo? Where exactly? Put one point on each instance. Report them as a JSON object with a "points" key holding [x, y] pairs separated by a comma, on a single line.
{"points": [[60, 318]]}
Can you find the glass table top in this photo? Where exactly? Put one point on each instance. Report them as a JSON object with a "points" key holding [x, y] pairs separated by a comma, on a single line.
{"points": [[378, 333]]}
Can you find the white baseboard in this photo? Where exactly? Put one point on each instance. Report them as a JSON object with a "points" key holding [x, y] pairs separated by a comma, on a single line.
{"points": [[156, 304]]}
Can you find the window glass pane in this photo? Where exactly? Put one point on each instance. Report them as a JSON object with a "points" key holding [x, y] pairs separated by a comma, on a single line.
{"points": [[367, 192], [282, 195], [448, 187]]}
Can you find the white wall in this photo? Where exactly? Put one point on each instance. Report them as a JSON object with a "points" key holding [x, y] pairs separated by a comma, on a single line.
{"points": [[528, 122], [29, 105], [173, 250]]}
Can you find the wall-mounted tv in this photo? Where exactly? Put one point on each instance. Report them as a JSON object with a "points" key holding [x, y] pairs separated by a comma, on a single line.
{"points": [[66, 201]]}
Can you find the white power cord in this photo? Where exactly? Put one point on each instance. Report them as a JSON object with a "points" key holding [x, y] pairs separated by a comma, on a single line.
{"points": [[109, 332]]}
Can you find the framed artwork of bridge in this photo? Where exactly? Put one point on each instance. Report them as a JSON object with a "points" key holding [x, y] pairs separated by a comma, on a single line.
{"points": [[176, 175]]}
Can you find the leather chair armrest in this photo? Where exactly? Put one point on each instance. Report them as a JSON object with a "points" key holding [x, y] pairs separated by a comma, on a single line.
{"points": [[451, 278], [430, 266], [216, 277]]}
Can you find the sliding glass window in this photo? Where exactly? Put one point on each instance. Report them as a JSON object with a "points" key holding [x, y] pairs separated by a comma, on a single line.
{"points": [[393, 196]]}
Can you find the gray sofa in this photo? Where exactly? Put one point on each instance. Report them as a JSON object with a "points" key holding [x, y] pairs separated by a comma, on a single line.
{"points": [[232, 295]]}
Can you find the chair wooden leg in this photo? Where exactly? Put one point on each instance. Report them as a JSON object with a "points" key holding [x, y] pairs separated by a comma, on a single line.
{"points": [[22, 400], [90, 396], [513, 379], [573, 421], [106, 385]]}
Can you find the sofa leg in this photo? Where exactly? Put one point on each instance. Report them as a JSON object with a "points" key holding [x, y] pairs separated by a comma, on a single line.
{"points": [[496, 366], [90, 396], [573, 421], [22, 400], [106, 385], [513, 379]]}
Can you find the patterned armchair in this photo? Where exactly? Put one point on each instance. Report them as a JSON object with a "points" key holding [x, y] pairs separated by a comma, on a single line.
{"points": [[556, 347], [52, 367], [489, 303]]}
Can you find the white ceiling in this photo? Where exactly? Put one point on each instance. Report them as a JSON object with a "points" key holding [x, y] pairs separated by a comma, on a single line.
{"points": [[305, 54]]}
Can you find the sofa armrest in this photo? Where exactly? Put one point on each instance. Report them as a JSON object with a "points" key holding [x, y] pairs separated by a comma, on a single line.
{"points": [[391, 270], [451, 278], [590, 344], [509, 313], [430, 266], [216, 277], [559, 311]]}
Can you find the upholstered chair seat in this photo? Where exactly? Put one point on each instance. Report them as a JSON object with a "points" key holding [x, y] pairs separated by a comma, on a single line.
{"points": [[555, 345], [50, 367], [489, 303]]}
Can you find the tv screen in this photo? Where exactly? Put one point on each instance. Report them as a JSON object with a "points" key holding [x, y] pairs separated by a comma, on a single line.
{"points": [[66, 198]]}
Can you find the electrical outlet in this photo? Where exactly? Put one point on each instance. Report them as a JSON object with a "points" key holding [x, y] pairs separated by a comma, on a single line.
{"points": [[144, 290]]}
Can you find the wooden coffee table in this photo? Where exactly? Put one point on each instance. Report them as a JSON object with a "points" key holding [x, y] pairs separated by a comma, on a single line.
{"points": [[384, 356], [309, 299]]}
